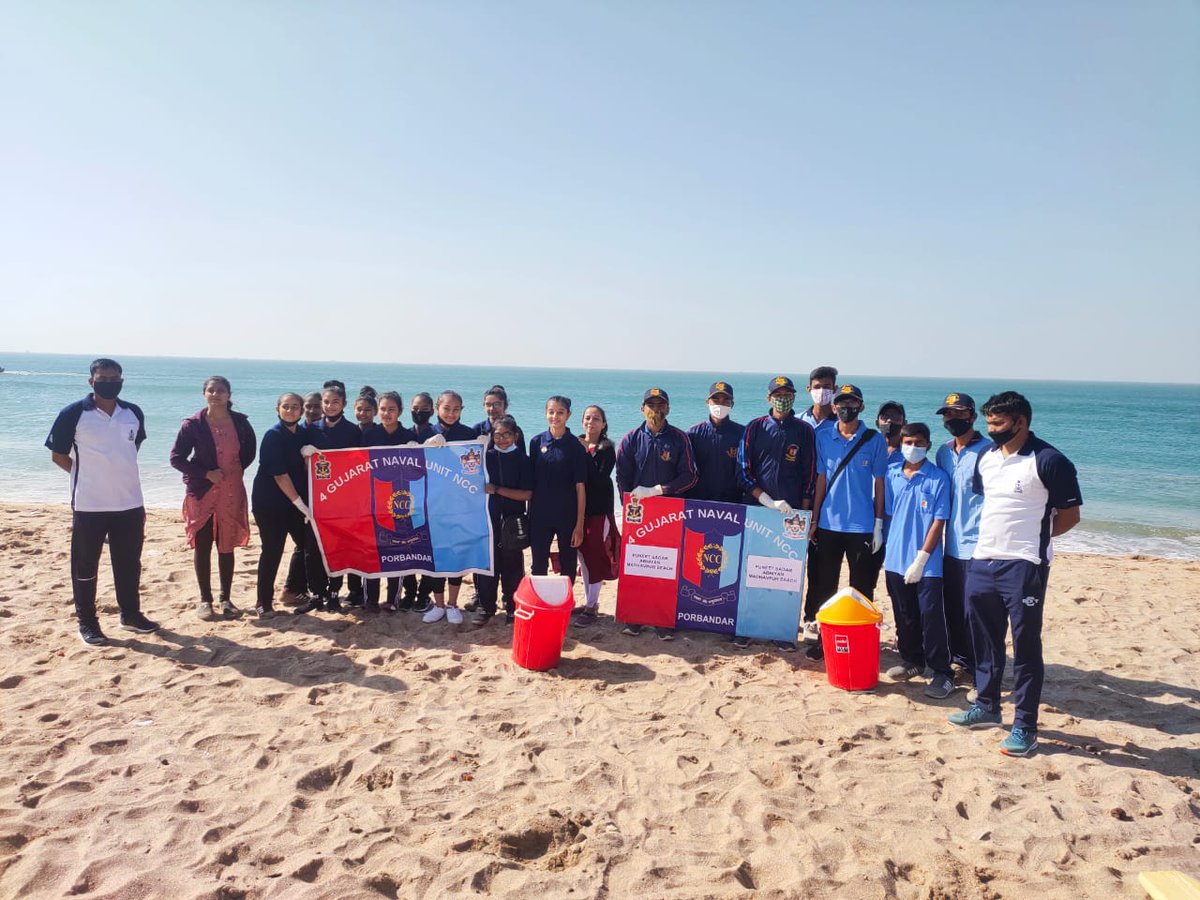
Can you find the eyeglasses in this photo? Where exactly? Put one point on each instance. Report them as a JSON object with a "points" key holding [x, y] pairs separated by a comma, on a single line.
{"points": [[503, 434]]}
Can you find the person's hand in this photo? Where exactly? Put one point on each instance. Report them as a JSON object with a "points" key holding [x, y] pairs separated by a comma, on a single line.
{"points": [[877, 537], [304, 510], [914, 572], [437, 440], [307, 450], [766, 500], [483, 440], [642, 492], [577, 536], [216, 476], [489, 488], [411, 444], [783, 506]]}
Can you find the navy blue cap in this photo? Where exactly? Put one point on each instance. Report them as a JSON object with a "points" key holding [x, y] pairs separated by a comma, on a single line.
{"points": [[957, 401], [656, 392], [846, 391], [891, 404], [720, 387], [780, 383]]}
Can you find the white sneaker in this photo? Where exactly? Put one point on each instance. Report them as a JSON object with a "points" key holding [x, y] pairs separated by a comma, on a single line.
{"points": [[436, 614], [454, 615], [812, 631]]}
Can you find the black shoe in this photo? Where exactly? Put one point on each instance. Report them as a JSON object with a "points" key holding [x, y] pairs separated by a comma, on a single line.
{"points": [[664, 634], [333, 605], [92, 635], [371, 606], [741, 641], [264, 612], [815, 651], [509, 618], [404, 604], [786, 646], [356, 600], [311, 604], [632, 629], [421, 606], [139, 623]]}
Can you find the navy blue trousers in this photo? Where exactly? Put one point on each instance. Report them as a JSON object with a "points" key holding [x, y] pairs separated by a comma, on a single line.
{"points": [[125, 532], [1000, 592], [540, 536], [920, 622], [954, 593]]}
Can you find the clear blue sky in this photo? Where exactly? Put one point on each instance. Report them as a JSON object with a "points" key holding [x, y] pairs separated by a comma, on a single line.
{"points": [[937, 188]]}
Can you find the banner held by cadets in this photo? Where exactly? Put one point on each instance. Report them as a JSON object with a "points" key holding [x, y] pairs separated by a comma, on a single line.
{"points": [[709, 566], [381, 511]]}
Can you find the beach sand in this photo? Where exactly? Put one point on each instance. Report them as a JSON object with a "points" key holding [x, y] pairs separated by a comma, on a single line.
{"points": [[332, 756]]}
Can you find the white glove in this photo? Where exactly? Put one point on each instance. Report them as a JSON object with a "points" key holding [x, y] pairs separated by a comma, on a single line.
{"points": [[642, 492], [436, 440], [914, 572], [307, 450], [877, 537], [784, 507], [304, 510], [765, 499], [411, 444], [483, 440]]}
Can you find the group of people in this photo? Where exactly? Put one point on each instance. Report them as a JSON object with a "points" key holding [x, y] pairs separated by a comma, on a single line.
{"points": [[963, 539]]}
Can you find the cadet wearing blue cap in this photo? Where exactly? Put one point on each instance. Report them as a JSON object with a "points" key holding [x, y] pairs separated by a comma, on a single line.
{"points": [[849, 503], [653, 460], [1030, 495], [918, 502], [957, 458], [715, 443]]}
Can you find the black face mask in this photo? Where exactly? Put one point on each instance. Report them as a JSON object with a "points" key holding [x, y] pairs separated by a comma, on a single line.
{"points": [[1002, 437], [847, 413], [421, 416], [890, 430], [107, 390], [958, 427]]}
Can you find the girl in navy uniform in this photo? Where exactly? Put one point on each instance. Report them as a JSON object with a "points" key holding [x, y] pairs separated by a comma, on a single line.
{"points": [[447, 428], [559, 501], [388, 433], [366, 405], [601, 547], [495, 406], [510, 485], [332, 432], [279, 498], [417, 590]]}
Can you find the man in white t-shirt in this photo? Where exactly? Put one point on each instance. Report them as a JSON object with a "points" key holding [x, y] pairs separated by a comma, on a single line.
{"points": [[96, 440], [1030, 495]]}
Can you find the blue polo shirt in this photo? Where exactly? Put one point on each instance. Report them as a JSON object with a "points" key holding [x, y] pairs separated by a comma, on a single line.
{"points": [[715, 448], [645, 459], [850, 505], [456, 432], [807, 416], [915, 504], [558, 464], [279, 454], [341, 435], [377, 436], [962, 528]]}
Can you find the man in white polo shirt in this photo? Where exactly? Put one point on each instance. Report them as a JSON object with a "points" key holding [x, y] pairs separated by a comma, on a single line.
{"points": [[96, 441], [1030, 495]]}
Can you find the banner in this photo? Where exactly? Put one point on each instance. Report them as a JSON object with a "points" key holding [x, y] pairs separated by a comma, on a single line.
{"points": [[710, 566], [392, 510]]}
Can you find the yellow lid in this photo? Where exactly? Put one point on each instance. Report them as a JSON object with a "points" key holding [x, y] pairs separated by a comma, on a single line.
{"points": [[848, 607]]}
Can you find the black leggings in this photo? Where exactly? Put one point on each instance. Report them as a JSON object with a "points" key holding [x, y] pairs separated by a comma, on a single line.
{"points": [[540, 536], [202, 560], [273, 530]]}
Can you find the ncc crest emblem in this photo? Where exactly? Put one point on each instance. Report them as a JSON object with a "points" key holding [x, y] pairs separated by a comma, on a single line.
{"points": [[634, 511], [795, 526], [400, 504], [470, 461], [322, 470], [665, 456], [792, 453]]}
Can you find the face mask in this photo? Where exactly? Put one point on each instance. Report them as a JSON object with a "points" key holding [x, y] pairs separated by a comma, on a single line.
{"points": [[655, 419], [509, 449], [421, 416], [719, 412], [1002, 437], [913, 453], [847, 413], [958, 427], [782, 403], [821, 396], [107, 390], [890, 430]]}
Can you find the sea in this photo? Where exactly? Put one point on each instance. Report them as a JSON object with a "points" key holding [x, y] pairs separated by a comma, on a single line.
{"points": [[1136, 446]]}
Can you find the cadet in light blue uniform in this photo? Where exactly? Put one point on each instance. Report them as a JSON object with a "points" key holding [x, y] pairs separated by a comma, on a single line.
{"points": [[918, 500], [821, 383], [957, 458]]}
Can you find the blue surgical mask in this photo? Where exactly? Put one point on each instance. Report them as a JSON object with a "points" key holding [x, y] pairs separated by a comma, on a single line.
{"points": [[912, 453], [509, 449]]}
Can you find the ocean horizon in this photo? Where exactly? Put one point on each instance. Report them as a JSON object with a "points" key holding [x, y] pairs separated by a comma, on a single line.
{"points": [[1136, 445]]}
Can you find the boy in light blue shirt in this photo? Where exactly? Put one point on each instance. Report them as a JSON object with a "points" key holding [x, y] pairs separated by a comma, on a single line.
{"points": [[918, 500]]}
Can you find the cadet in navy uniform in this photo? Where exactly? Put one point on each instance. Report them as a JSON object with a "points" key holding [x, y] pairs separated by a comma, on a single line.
{"points": [[387, 433], [849, 505], [331, 432], [957, 458], [495, 407], [417, 590], [653, 460], [558, 504], [715, 443], [918, 502], [777, 461], [1030, 495], [96, 440], [509, 487]]}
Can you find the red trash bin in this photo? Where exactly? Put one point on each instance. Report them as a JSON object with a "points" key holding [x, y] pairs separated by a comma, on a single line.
{"points": [[543, 612], [850, 638]]}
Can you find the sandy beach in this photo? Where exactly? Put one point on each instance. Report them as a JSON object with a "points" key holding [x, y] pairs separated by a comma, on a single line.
{"points": [[343, 756]]}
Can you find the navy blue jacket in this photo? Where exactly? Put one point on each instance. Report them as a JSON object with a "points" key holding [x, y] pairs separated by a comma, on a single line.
{"points": [[485, 427], [279, 455], [645, 459], [456, 432], [509, 470], [377, 436], [715, 448], [779, 457], [342, 435]]}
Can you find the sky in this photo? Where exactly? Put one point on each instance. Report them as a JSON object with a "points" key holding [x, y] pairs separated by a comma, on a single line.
{"points": [[912, 189]]}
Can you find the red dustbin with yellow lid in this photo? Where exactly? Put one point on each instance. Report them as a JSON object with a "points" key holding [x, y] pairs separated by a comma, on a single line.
{"points": [[850, 638]]}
